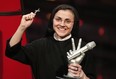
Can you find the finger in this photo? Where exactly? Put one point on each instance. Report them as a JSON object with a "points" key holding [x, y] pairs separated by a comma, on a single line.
{"points": [[32, 15], [75, 65], [70, 51], [74, 72], [76, 76], [26, 18], [79, 44], [73, 44], [73, 68], [79, 69], [29, 16]]}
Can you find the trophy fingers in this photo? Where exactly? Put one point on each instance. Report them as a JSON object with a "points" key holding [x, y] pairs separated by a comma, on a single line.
{"points": [[68, 54], [70, 51], [73, 44], [79, 44]]}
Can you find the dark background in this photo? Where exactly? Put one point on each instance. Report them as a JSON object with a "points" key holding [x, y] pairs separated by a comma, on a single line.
{"points": [[97, 22]]}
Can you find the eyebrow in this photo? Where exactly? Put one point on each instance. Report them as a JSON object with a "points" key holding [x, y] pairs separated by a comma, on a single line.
{"points": [[61, 18]]}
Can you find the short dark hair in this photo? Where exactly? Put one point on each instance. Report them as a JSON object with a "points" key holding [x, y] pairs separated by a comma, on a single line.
{"points": [[74, 32]]}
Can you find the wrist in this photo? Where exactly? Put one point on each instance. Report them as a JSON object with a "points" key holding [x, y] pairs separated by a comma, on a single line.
{"points": [[21, 28], [84, 76]]}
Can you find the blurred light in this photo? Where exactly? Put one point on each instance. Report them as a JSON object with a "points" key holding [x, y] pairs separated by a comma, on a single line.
{"points": [[51, 0], [81, 23], [48, 16], [101, 31], [99, 76], [37, 20]]}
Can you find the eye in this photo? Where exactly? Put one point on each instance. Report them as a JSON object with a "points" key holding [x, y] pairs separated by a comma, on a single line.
{"points": [[58, 19], [68, 21]]}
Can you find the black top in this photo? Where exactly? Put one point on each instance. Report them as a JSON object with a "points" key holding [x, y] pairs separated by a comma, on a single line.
{"points": [[47, 57]]}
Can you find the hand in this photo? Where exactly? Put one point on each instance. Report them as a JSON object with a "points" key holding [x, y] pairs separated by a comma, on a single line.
{"points": [[27, 20], [77, 71]]}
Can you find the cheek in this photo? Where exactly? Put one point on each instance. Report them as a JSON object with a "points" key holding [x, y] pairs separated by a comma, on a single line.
{"points": [[71, 27], [55, 26], [54, 23]]}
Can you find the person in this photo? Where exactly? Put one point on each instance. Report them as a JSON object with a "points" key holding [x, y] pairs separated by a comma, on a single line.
{"points": [[47, 56]]}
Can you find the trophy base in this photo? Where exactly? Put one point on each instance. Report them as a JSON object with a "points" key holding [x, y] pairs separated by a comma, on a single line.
{"points": [[68, 77]]}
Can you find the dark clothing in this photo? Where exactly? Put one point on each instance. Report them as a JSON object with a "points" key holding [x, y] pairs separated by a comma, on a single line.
{"points": [[48, 57]]}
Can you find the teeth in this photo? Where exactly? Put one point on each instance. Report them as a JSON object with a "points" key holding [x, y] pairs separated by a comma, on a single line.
{"points": [[61, 29]]}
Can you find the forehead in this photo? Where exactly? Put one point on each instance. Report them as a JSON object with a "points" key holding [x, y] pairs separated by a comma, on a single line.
{"points": [[65, 14]]}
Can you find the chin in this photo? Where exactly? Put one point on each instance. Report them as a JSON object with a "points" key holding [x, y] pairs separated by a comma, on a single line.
{"points": [[62, 36]]}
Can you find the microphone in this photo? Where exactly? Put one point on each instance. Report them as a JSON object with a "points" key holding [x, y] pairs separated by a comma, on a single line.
{"points": [[76, 53]]}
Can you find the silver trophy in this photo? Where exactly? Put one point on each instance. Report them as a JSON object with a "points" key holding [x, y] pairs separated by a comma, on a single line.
{"points": [[76, 55]]}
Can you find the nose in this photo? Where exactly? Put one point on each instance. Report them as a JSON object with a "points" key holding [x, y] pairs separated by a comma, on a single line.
{"points": [[62, 23]]}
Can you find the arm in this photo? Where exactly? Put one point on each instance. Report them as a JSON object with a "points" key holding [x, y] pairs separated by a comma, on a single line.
{"points": [[26, 21]]}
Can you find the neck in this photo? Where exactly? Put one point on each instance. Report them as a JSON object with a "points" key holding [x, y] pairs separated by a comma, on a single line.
{"points": [[56, 37]]}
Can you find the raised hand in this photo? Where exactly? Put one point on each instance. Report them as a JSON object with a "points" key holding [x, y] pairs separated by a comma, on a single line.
{"points": [[27, 20]]}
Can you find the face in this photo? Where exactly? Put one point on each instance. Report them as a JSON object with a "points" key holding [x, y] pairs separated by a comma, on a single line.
{"points": [[63, 22]]}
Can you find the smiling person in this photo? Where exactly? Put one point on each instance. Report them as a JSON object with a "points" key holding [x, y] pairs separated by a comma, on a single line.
{"points": [[47, 56]]}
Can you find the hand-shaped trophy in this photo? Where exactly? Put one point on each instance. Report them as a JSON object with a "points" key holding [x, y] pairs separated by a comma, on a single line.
{"points": [[77, 55]]}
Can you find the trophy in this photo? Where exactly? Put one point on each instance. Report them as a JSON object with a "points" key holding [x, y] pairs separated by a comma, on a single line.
{"points": [[77, 55]]}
